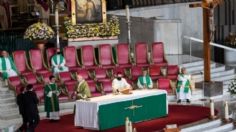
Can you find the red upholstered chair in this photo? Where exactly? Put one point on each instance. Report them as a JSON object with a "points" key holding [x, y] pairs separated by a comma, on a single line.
{"points": [[141, 54], [15, 84], [155, 72], [107, 86], [70, 54], [85, 74], [105, 56], [21, 63], [38, 87], [88, 57], [122, 54], [101, 75], [93, 89], [49, 53], [121, 70], [157, 54], [172, 72], [37, 62], [164, 84], [135, 72], [68, 81]]}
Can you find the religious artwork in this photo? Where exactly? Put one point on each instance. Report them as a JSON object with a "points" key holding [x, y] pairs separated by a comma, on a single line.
{"points": [[89, 11]]}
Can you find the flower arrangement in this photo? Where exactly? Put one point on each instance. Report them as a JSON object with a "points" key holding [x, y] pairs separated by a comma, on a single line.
{"points": [[232, 87], [39, 31], [231, 40], [109, 29]]}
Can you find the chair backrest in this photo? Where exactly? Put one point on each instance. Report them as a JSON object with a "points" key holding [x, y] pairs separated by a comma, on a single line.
{"points": [[14, 81], [87, 55], [70, 55], [49, 53], [20, 60], [105, 54], [83, 73], [36, 59], [65, 76], [92, 87], [107, 86], [31, 78], [154, 70], [164, 83], [141, 50], [122, 53], [173, 70], [136, 71], [100, 73], [157, 52]]}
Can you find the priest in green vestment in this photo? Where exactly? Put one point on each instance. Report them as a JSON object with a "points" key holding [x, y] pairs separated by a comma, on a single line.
{"points": [[183, 86], [145, 81], [51, 93], [7, 66], [82, 89], [58, 63]]}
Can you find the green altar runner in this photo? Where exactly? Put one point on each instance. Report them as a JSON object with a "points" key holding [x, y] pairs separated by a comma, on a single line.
{"points": [[110, 111]]}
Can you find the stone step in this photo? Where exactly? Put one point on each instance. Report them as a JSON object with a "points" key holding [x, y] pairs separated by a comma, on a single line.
{"points": [[224, 78], [198, 69], [233, 130], [192, 64], [8, 106], [214, 72], [224, 128], [204, 126], [199, 78], [7, 100]]}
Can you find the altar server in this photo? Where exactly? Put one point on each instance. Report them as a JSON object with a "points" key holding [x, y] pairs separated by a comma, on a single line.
{"points": [[119, 83], [51, 93], [82, 90], [58, 63], [183, 86], [145, 81], [7, 66]]}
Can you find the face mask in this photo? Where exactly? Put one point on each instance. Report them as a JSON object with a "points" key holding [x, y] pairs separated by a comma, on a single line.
{"points": [[118, 78]]}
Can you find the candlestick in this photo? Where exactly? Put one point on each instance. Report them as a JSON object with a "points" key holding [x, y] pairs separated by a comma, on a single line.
{"points": [[56, 17], [127, 13], [212, 108], [127, 124], [226, 111]]}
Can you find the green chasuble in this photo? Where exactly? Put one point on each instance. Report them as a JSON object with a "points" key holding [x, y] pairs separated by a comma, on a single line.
{"points": [[148, 81], [184, 81], [83, 89], [7, 64], [51, 100]]}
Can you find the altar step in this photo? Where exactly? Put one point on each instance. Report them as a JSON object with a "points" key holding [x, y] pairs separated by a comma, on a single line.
{"points": [[210, 126]]}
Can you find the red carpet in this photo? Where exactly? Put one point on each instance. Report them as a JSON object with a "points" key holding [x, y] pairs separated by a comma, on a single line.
{"points": [[178, 114]]}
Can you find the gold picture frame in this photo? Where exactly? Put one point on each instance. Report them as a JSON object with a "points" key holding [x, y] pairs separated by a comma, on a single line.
{"points": [[88, 11]]}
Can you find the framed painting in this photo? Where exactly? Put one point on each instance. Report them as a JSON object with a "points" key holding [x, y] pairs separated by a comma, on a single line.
{"points": [[88, 11]]}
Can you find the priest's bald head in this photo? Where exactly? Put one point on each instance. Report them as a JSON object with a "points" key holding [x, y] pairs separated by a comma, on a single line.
{"points": [[183, 70], [79, 78], [4, 53]]}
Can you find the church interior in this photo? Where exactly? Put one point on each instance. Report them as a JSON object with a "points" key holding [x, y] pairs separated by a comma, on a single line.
{"points": [[176, 59]]}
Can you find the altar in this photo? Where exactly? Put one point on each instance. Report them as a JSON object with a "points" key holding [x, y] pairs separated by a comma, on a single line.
{"points": [[105, 112]]}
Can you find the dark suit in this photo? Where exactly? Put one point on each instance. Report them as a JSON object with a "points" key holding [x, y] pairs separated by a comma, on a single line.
{"points": [[31, 109], [19, 100]]}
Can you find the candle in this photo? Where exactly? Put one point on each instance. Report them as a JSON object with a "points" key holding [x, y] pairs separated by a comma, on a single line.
{"points": [[73, 12], [127, 13], [130, 127], [212, 108], [226, 111], [127, 124], [56, 17]]}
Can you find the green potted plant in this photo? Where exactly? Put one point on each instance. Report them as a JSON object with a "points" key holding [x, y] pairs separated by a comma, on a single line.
{"points": [[232, 87], [39, 33]]}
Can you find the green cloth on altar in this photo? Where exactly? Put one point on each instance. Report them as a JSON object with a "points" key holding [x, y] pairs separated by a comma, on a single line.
{"points": [[6, 63], [183, 80], [83, 89], [51, 101]]}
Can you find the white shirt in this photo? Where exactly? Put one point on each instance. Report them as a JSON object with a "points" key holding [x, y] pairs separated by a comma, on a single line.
{"points": [[119, 84]]}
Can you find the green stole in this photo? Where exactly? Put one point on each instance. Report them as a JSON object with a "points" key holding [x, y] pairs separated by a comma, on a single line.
{"points": [[55, 59], [147, 78], [4, 66], [83, 89], [51, 103], [180, 83]]}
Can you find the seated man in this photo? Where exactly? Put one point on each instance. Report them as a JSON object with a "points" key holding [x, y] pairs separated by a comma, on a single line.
{"points": [[183, 86], [7, 66], [58, 63], [145, 81], [82, 90], [119, 83]]}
